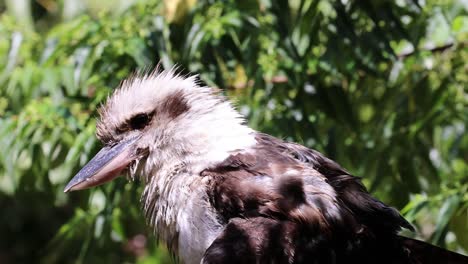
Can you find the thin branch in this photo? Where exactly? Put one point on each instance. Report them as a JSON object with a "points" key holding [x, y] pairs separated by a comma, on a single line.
{"points": [[433, 50]]}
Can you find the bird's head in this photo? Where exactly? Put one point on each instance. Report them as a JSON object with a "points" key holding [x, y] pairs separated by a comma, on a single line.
{"points": [[157, 118]]}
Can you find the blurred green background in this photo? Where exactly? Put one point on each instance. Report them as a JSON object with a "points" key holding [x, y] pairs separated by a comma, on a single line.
{"points": [[379, 86]]}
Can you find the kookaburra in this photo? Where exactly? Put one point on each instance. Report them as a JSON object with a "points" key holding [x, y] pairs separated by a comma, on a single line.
{"points": [[217, 191]]}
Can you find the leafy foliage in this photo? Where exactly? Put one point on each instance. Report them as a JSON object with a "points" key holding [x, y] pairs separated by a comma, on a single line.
{"points": [[379, 86]]}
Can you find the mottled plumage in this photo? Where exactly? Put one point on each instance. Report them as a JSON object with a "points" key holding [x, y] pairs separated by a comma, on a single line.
{"points": [[217, 191]]}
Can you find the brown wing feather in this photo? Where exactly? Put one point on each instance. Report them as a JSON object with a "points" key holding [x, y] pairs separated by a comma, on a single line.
{"points": [[325, 213]]}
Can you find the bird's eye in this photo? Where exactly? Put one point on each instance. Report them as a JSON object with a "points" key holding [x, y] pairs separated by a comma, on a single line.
{"points": [[139, 121]]}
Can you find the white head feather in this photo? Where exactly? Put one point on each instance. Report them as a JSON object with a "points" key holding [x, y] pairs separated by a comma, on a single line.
{"points": [[187, 120]]}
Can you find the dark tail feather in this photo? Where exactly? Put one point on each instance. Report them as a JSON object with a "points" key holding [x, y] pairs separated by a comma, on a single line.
{"points": [[424, 253]]}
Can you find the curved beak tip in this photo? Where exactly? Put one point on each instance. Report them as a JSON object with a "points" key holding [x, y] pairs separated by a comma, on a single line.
{"points": [[68, 188]]}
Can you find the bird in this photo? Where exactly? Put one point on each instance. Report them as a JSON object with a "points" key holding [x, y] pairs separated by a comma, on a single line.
{"points": [[218, 191]]}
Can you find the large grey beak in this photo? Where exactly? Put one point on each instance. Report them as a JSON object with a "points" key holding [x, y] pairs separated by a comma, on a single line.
{"points": [[105, 166]]}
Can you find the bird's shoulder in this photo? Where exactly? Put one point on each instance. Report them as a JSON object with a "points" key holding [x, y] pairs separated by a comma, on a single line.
{"points": [[267, 180], [274, 176]]}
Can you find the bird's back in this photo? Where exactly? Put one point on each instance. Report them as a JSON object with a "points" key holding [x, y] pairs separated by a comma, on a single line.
{"points": [[284, 203]]}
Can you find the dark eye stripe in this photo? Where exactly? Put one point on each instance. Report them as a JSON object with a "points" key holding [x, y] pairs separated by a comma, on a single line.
{"points": [[137, 122], [122, 128]]}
